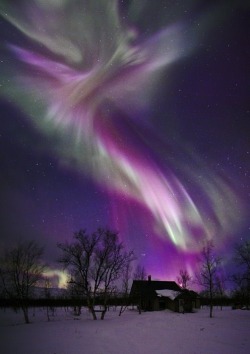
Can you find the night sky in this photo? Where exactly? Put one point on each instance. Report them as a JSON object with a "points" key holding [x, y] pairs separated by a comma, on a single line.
{"points": [[132, 115]]}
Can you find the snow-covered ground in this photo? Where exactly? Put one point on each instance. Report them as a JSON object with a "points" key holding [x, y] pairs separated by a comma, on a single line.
{"points": [[151, 332]]}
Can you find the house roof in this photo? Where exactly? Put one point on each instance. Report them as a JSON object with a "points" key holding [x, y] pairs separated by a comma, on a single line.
{"points": [[168, 293], [150, 287], [185, 294]]}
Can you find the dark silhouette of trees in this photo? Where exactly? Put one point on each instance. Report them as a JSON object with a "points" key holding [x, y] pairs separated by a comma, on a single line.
{"points": [[47, 293], [20, 270], [220, 289], [184, 279], [140, 273], [126, 276], [207, 276], [242, 255], [242, 279], [96, 261]]}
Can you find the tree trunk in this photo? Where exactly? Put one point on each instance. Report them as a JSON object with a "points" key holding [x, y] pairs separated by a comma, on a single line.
{"points": [[25, 313], [103, 313], [211, 309], [122, 309], [139, 309], [211, 294], [92, 310]]}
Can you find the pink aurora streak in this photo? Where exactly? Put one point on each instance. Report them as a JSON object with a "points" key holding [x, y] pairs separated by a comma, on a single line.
{"points": [[78, 88]]}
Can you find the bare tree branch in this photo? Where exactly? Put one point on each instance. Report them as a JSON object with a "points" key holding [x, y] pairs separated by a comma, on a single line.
{"points": [[207, 276], [20, 270], [95, 261]]}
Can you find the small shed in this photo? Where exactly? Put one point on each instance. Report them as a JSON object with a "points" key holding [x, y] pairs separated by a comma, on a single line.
{"points": [[188, 301]]}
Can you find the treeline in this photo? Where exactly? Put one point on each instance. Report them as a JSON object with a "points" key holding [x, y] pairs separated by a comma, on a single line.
{"points": [[234, 302], [58, 302], [220, 301], [120, 301], [98, 264], [100, 269]]}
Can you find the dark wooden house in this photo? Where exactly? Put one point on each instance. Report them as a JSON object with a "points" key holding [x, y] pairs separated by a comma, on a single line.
{"points": [[154, 295]]}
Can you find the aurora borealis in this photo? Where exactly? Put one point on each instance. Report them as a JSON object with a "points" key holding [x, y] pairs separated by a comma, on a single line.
{"points": [[127, 114]]}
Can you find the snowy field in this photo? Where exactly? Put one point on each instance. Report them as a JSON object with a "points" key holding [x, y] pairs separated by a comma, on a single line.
{"points": [[151, 332]]}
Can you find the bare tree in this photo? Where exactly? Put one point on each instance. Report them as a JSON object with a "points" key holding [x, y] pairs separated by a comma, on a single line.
{"points": [[242, 255], [208, 273], [47, 293], [20, 270], [140, 273], [183, 279], [220, 288], [125, 287], [75, 290], [95, 261], [242, 279]]}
